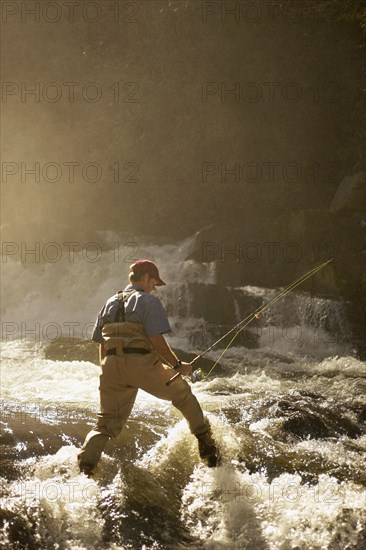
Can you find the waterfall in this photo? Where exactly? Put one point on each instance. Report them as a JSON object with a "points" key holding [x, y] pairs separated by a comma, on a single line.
{"points": [[199, 309]]}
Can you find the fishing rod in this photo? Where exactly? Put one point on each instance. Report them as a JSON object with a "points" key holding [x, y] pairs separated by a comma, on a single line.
{"points": [[255, 315]]}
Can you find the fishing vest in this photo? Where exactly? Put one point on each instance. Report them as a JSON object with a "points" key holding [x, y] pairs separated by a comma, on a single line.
{"points": [[122, 334]]}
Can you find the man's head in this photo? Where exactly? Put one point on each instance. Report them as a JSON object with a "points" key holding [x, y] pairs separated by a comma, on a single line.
{"points": [[146, 273]]}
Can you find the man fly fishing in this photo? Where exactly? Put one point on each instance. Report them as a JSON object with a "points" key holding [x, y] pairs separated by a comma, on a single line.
{"points": [[134, 354]]}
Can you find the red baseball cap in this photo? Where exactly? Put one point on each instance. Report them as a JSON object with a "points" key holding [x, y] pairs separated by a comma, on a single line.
{"points": [[145, 266]]}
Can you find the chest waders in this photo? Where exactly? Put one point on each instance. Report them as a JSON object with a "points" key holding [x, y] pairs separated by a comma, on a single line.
{"points": [[123, 337], [119, 386]]}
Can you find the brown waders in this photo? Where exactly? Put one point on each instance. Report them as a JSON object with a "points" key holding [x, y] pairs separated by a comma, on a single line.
{"points": [[122, 376]]}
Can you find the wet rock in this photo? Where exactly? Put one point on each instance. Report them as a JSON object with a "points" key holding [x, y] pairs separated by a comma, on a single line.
{"points": [[311, 420], [305, 417], [350, 194], [244, 254], [310, 394], [212, 302], [305, 424], [20, 531], [204, 364], [360, 410], [72, 349], [246, 303]]}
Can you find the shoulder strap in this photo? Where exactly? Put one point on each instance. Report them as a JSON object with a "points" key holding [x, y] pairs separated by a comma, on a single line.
{"points": [[121, 312]]}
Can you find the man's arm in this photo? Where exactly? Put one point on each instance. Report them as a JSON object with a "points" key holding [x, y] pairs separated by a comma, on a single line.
{"points": [[101, 352], [165, 351]]}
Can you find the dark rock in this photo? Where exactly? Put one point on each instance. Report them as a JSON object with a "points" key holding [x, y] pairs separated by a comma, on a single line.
{"points": [[204, 364], [213, 303], [72, 349], [305, 424], [350, 195], [21, 531]]}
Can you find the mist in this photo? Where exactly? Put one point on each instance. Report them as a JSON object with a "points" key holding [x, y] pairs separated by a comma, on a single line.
{"points": [[150, 122], [137, 125]]}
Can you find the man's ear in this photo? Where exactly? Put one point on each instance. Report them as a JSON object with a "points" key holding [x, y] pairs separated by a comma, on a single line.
{"points": [[145, 278]]}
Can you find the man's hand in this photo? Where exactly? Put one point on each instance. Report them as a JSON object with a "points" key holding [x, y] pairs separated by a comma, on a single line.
{"points": [[185, 369]]}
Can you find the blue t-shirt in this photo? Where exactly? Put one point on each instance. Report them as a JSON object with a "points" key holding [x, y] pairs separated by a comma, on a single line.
{"points": [[140, 308]]}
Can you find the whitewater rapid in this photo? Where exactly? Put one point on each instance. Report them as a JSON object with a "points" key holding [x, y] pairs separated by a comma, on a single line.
{"points": [[276, 489], [287, 405]]}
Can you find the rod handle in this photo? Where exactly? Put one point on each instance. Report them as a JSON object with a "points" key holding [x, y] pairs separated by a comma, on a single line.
{"points": [[172, 379], [178, 373]]}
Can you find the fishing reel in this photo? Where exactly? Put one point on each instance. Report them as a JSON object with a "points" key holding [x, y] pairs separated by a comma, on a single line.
{"points": [[197, 375]]}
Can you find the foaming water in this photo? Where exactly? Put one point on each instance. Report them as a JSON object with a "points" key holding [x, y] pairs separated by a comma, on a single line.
{"points": [[298, 323], [288, 413], [84, 283], [235, 509], [277, 488]]}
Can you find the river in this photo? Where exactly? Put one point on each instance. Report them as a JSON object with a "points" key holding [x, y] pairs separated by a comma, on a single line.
{"points": [[287, 407]]}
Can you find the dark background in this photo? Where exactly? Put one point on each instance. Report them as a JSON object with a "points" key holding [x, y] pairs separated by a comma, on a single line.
{"points": [[163, 131]]}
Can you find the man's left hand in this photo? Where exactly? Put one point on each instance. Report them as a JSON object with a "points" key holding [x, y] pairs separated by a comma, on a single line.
{"points": [[185, 369]]}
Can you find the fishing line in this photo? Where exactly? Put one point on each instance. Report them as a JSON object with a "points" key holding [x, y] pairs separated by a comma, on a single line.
{"points": [[269, 304], [256, 315], [266, 306]]}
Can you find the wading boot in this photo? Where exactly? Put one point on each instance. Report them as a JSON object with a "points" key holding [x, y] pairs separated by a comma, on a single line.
{"points": [[85, 468], [208, 449]]}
